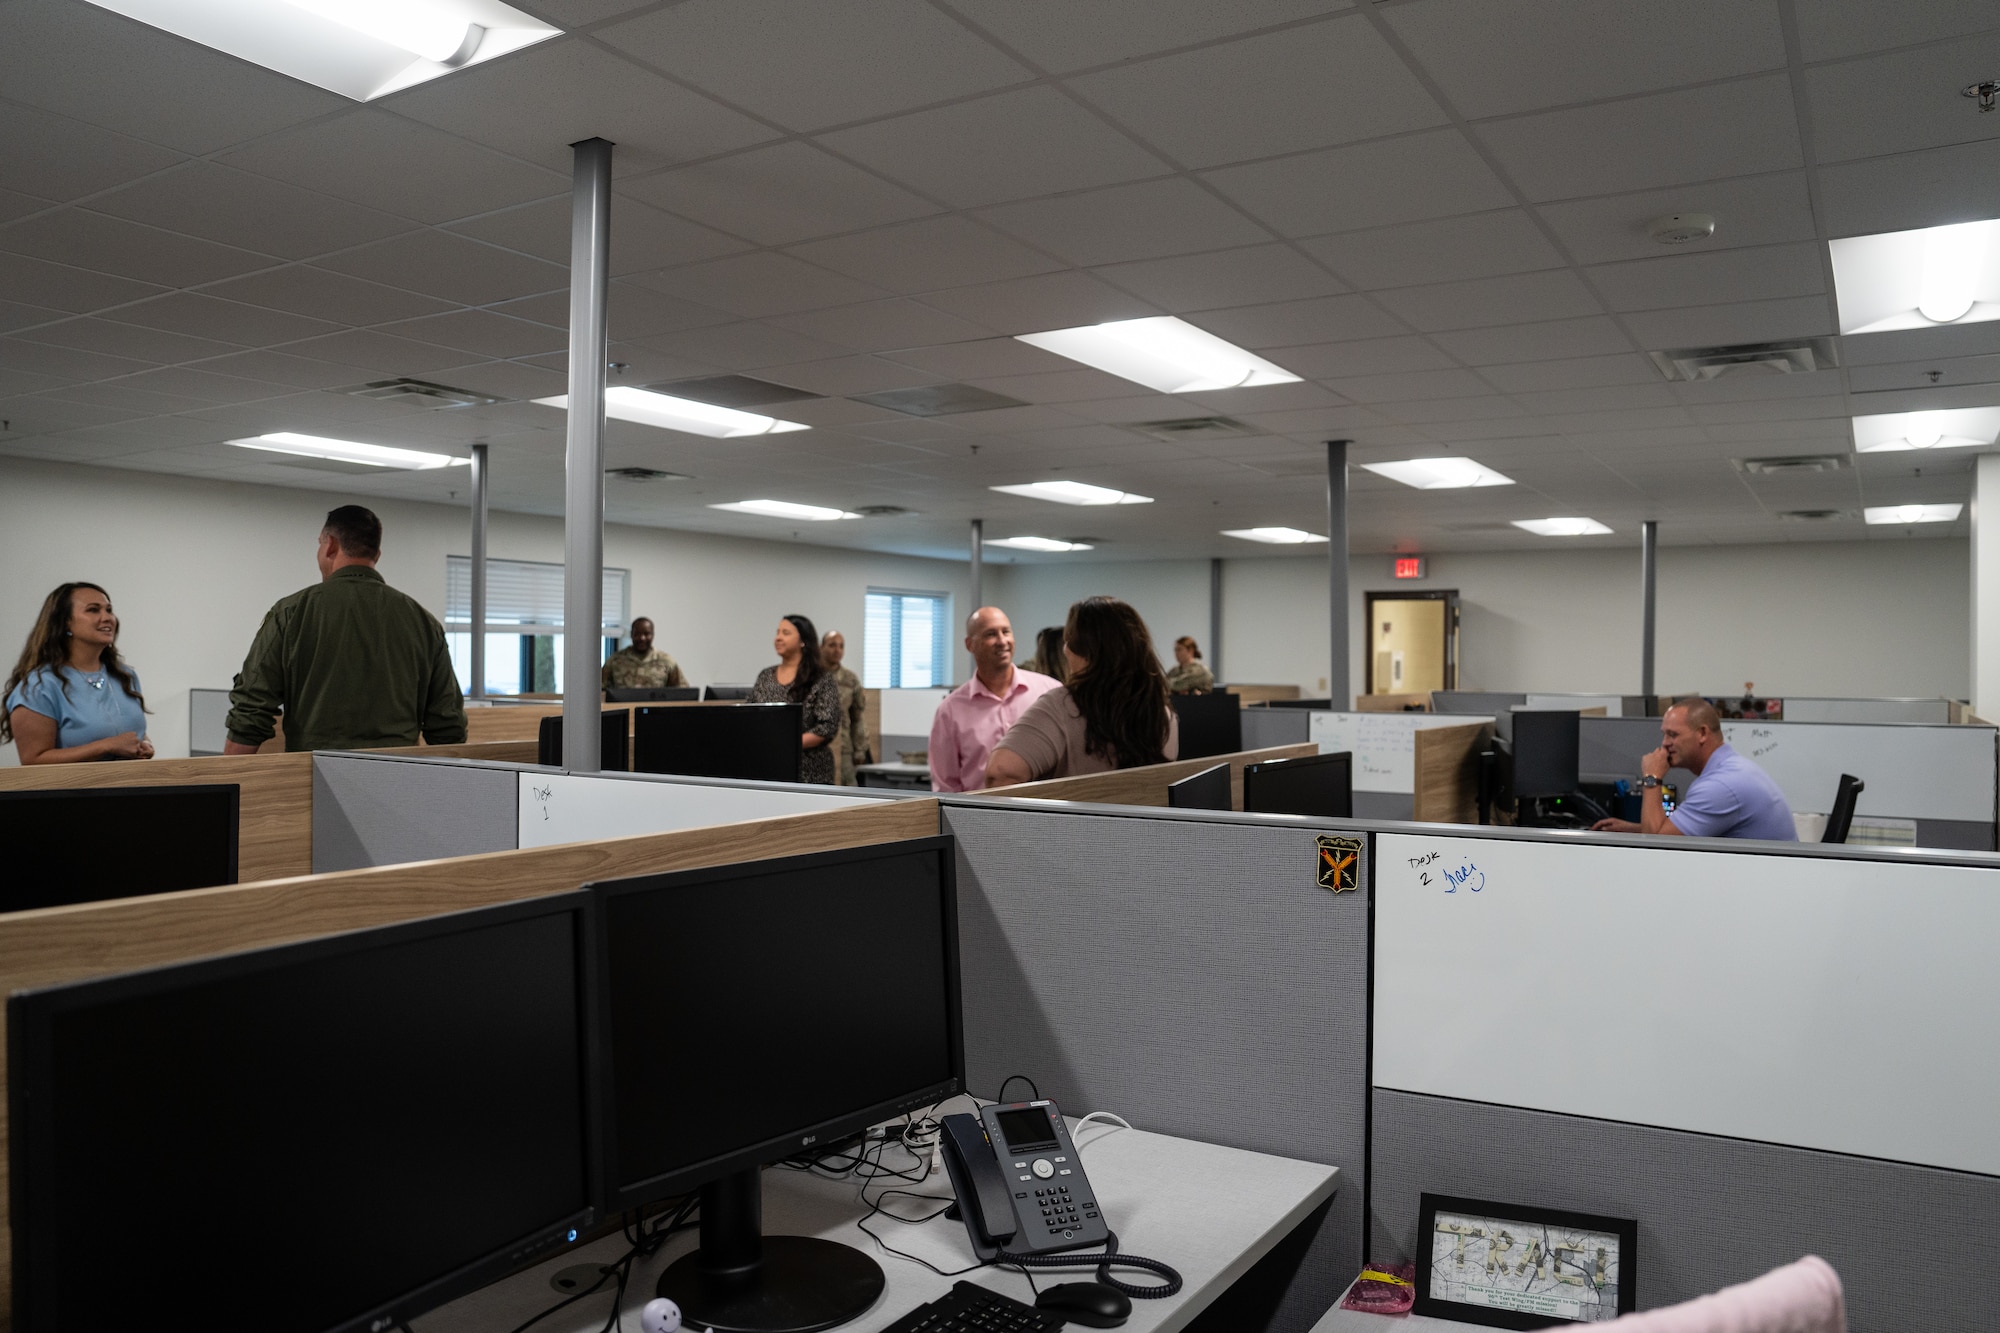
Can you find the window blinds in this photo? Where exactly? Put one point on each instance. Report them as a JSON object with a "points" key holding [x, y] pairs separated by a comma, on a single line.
{"points": [[526, 596]]}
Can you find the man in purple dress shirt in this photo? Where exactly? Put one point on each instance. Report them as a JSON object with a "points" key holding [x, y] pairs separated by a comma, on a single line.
{"points": [[973, 717], [1730, 796]]}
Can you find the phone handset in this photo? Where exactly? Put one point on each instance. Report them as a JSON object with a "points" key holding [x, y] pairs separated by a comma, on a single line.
{"points": [[1020, 1184]]}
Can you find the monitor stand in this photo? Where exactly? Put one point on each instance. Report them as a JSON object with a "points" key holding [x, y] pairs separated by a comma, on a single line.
{"points": [[742, 1281]]}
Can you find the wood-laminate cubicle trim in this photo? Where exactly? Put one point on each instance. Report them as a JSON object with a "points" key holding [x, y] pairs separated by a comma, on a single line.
{"points": [[1147, 785]]}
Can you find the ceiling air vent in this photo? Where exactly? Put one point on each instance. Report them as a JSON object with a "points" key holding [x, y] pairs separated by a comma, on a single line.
{"points": [[1811, 515], [733, 391], [1798, 356], [644, 474], [1791, 465], [882, 511], [939, 400], [422, 393], [1196, 428]]}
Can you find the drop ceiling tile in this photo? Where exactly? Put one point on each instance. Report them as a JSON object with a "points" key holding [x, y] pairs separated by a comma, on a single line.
{"points": [[636, 311], [450, 267], [65, 287], [928, 255], [93, 334], [1555, 340], [1611, 398], [881, 326], [1298, 88], [506, 379], [1720, 276], [282, 371], [1809, 409], [642, 238], [1412, 386], [230, 321], [112, 245], [763, 283], [1754, 211], [1016, 145], [68, 364], [384, 162], [1676, 138], [378, 352], [1737, 322], [1235, 403], [1224, 278], [1829, 29], [1124, 222], [1378, 356], [841, 60], [1293, 323], [1061, 386], [1036, 304], [1481, 245], [1956, 184], [1318, 420], [1574, 373], [1495, 60], [743, 346], [53, 157], [482, 332], [319, 294], [1917, 374], [14, 204], [781, 194], [1898, 103], [643, 362], [193, 382], [1008, 420], [1405, 179], [1061, 36], [14, 315], [538, 102], [1483, 302], [985, 359]]}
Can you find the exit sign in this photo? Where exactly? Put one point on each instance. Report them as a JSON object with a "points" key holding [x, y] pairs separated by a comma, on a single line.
{"points": [[1409, 566]]}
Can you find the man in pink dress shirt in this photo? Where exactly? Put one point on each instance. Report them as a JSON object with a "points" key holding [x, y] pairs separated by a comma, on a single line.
{"points": [[973, 717]]}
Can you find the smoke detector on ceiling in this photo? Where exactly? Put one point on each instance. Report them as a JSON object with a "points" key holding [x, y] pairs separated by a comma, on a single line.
{"points": [[1798, 356], [1791, 465], [1680, 228]]}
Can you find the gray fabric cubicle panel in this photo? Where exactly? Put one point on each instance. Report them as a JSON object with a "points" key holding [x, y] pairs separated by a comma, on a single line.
{"points": [[1476, 703], [1265, 727], [1187, 973], [1400, 805], [374, 811], [1912, 1244]]}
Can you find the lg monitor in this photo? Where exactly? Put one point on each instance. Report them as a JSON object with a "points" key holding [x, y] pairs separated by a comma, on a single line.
{"points": [[751, 1012], [1206, 790], [613, 745], [81, 844], [1210, 723], [1546, 744], [726, 693], [758, 741], [1319, 785], [323, 1137], [662, 694]]}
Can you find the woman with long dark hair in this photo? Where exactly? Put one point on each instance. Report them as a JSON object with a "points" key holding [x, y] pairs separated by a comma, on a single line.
{"points": [[71, 698], [1048, 658], [801, 678], [1112, 713]]}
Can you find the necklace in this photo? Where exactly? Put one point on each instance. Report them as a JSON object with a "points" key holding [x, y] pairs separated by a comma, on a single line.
{"points": [[95, 682]]}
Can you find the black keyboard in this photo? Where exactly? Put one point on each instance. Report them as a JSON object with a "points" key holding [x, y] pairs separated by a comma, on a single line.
{"points": [[971, 1308]]}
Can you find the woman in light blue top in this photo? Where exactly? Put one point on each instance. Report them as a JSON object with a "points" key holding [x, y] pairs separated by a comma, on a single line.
{"points": [[71, 699]]}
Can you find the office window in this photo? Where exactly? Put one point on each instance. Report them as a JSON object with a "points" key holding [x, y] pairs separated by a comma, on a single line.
{"points": [[905, 640], [524, 629]]}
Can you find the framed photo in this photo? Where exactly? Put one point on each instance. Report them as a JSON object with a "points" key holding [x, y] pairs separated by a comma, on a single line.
{"points": [[1514, 1266]]}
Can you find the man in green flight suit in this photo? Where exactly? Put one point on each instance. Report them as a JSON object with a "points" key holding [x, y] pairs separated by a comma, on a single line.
{"points": [[352, 663], [641, 666], [850, 747]]}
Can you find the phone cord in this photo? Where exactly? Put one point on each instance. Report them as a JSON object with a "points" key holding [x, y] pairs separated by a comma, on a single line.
{"points": [[1168, 1286]]}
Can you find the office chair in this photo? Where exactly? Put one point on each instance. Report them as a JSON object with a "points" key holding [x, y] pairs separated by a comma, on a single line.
{"points": [[1842, 818]]}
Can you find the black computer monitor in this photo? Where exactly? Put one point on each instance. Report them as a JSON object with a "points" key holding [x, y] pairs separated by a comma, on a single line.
{"points": [[759, 741], [745, 1023], [1545, 746], [653, 694], [1210, 723], [1320, 785], [729, 693], [1206, 790], [82, 844], [321, 1137], [614, 748]]}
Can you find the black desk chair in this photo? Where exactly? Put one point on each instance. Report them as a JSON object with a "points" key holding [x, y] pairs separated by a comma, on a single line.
{"points": [[1842, 817]]}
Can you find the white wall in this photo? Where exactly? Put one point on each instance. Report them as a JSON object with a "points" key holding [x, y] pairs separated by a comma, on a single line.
{"points": [[192, 566], [1172, 596]]}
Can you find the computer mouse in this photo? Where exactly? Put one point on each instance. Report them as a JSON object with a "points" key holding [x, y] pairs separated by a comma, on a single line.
{"points": [[1091, 1304]]}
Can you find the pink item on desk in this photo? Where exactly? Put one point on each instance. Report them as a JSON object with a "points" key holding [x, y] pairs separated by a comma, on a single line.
{"points": [[1799, 1298]]}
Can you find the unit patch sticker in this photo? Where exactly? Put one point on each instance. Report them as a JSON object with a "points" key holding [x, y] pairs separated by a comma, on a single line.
{"points": [[1339, 863]]}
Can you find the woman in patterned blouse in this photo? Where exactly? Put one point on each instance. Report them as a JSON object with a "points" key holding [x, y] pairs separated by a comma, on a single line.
{"points": [[799, 678]]}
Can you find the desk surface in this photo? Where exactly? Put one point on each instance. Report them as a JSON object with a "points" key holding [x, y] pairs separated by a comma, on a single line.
{"points": [[1338, 1320], [1211, 1212]]}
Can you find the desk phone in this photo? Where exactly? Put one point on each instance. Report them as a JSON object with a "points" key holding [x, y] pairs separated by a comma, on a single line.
{"points": [[1020, 1185]]}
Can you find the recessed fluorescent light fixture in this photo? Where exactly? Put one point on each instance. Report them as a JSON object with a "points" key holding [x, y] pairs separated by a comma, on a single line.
{"points": [[1040, 544], [348, 451], [786, 509], [1439, 474], [683, 414], [1274, 536], [1162, 353], [361, 49], [1918, 279], [1941, 428], [1562, 527], [1912, 513], [1075, 493]]}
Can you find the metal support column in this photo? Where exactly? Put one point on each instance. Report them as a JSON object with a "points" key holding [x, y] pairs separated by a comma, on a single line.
{"points": [[480, 464], [583, 492], [1215, 617], [1649, 569], [1336, 573], [978, 581]]}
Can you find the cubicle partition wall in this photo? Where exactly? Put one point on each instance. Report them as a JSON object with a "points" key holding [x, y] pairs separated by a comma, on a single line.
{"points": [[1807, 708], [1758, 1052], [1146, 786], [1384, 745], [1276, 726], [1185, 970]]}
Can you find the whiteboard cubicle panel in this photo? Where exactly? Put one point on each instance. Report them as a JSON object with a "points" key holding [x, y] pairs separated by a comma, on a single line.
{"points": [[909, 712], [577, 807], [1912, 772], [1799, 708], [1833, 1002], [1612, 704], [208, 710], [1384, 744]]}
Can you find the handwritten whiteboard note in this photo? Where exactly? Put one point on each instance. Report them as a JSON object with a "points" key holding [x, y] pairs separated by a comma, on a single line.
{"points": [[1384, 745]]}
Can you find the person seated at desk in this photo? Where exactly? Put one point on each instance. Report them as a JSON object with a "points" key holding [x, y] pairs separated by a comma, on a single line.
{"points": [[641, 666], [973, 718], [1112, 714], [1730, 796], [70, 699], [801, 678]]}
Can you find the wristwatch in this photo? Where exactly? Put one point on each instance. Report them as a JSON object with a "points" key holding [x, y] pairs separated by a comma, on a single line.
{"points": [[1649, 782]]}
